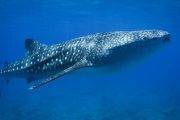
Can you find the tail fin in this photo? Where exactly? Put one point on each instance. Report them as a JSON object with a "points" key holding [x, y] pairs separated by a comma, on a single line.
{"points": [[5, 64]]}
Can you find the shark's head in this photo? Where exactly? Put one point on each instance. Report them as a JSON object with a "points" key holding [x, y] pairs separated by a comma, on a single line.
{"points": [[150, 40], [158, 35], [138, 44]]}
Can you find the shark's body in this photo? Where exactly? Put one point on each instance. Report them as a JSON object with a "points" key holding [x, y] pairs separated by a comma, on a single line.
{"points": [[46, 63]]}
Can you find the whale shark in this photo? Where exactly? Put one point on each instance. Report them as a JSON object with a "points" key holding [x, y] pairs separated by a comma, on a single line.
{"points": [[44, 63]]}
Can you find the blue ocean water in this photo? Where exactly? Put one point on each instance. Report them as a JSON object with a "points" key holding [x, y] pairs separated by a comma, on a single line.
{"points": [[148, 90]]}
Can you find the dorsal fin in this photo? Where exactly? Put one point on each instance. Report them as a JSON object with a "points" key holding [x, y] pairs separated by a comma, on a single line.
{"points": [[33, 46]]}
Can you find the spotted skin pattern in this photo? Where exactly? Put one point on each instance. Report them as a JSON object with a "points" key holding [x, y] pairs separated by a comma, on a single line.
{"points": [[48, 62]]}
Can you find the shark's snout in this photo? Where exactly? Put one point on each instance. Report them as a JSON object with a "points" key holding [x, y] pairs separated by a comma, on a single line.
{"points": [[166, 36], [162, 35], [158, 35]]}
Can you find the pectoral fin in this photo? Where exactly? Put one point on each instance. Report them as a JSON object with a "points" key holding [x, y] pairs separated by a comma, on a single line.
{"points": [[55, 76], [47, 80]]}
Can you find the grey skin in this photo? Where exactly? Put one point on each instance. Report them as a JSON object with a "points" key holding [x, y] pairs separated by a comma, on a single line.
{"points": [[44, 63]]}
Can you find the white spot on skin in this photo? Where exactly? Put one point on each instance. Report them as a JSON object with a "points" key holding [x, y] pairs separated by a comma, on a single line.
{"points": [[65, 58], [60, 62], [56, 52]]}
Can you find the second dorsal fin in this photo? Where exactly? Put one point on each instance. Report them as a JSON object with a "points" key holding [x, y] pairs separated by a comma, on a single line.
{"points": [[33, 46]]}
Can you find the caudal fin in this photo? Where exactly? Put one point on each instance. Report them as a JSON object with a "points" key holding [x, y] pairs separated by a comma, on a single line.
{"points": [[2, 74]]}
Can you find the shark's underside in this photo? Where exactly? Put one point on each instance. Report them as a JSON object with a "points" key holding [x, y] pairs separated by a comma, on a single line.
{"points": [[44, 63]]}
